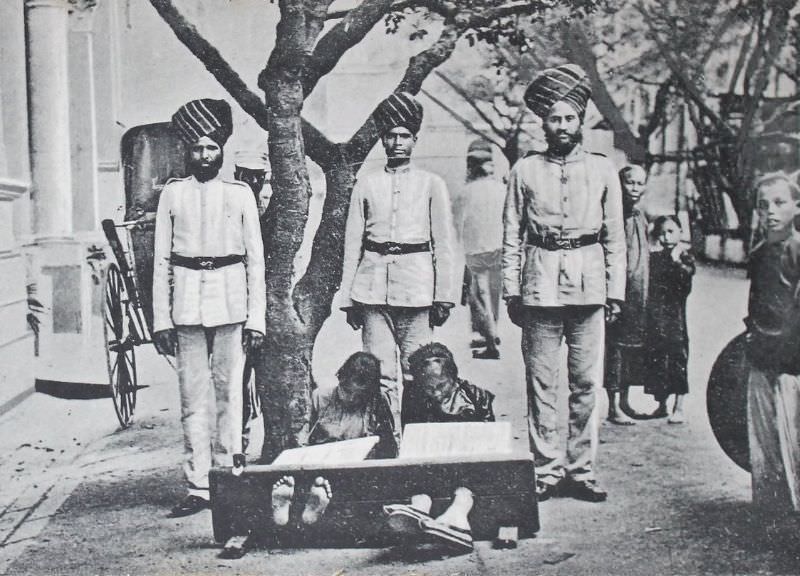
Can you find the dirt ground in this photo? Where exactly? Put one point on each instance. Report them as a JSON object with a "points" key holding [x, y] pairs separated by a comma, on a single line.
{"points": [[677, 505]]}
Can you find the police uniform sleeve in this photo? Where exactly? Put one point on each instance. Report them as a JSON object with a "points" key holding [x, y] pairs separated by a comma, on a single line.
{"points": [[513, 233], [162, 271], [353, 237], [254, 251], [612, 234], [443, 239]]}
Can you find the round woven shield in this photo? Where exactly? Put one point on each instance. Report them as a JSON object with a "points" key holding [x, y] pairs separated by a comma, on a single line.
{"points": [[726, 401]]}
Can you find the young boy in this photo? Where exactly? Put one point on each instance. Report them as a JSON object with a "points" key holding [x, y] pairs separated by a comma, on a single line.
{"points": [[625, 337], [667, 340], [773, 394]]}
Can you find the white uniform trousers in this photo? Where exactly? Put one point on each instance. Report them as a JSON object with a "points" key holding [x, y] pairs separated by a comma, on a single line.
{"points": [[210, 364], [544, 331], [773, 423], [387, 329]]}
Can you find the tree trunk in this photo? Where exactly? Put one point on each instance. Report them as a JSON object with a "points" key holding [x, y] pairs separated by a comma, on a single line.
{"points": [[283, 370]]}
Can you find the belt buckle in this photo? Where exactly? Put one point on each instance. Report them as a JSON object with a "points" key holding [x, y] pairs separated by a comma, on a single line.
{"points": [[206, 263], [393, 249]]}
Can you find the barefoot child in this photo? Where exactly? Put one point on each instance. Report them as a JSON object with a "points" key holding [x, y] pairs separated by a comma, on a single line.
{"points": [[667, 347], [773, 392], [625, 336]]}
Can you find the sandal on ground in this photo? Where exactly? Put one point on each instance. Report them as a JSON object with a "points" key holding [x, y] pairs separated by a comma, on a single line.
{"points": [[458, 538]]}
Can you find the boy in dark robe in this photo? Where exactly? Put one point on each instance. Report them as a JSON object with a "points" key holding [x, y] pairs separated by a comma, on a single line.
{"points": [[667, 348]]}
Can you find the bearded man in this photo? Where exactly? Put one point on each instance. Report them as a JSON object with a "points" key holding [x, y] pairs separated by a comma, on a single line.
{"points": [[563, 271], [209, 295]]}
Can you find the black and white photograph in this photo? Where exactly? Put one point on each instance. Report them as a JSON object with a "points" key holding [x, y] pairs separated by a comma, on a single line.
{"points": [[399, 287]]}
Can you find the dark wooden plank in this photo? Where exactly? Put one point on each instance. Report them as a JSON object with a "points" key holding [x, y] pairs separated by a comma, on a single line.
{"points": [[503, 488]]}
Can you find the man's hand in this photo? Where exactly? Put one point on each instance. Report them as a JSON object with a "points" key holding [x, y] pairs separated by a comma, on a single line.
{"points": [[166, 342], [613, 310], [355, 317], [516, 310], [439, 313], [251, 340]]}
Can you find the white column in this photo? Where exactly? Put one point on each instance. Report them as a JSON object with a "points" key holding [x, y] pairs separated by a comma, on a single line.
{"points": [[86, 214], [48, 81]]}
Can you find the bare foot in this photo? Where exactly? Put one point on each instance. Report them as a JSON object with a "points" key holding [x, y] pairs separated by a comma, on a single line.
{"points": [[677, 417], [319, 496], [282, 493], [620, 419]]}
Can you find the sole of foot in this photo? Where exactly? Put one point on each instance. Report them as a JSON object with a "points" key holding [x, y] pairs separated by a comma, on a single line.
{"points": [[319, 496], [282, 494]]}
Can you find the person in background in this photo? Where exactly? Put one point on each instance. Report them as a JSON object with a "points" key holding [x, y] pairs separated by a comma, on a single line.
{"points": [[209, 294], [398, 280], [667, 340], [479, 223], [563, 278], [252, 168], [773, 337], [624, 364]]}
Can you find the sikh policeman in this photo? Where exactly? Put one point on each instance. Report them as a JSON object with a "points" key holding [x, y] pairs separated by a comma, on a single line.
{"points": [[398, 271], [563, 278], [209, 296]]}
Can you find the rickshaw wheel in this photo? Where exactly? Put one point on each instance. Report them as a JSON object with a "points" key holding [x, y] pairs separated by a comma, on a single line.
{"points": [[120, 356]]}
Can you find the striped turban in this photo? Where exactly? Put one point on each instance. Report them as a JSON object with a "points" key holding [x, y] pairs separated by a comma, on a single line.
{"points": [[567, 82], [400, 109], [204, 117]]}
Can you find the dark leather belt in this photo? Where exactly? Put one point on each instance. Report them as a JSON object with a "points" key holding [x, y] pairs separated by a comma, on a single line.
{"points": [[554, 242], [205, 262], [394, 248]]}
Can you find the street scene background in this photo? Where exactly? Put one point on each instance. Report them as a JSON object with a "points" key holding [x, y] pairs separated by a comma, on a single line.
{"points": [[702, 93], [83, 497]]}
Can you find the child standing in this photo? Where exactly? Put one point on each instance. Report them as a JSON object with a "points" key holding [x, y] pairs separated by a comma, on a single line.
{"points": [[667, 340], [773, 387]]}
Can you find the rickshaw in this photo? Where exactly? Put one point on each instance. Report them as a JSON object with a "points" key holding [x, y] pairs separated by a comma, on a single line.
{"points": [[151, 154]]}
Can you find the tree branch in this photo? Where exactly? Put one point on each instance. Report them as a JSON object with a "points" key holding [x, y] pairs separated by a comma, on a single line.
{"points": [[659, 110], [210, 57], [678, 70], [348, 32], [419, 67], [463, 121], [576, 44], [467, 98], [440, 7]]}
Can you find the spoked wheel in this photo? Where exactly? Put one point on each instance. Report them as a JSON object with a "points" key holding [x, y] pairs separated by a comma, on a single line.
{"points": [[120, 355]]}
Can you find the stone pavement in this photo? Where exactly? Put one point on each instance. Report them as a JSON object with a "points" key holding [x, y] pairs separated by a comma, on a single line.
{"points": [[86, 498]]}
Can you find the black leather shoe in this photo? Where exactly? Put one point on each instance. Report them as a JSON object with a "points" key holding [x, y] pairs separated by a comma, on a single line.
{"points": [[586, 490], [488, 354], [545, 491], [481, 342], [190, 505]]}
